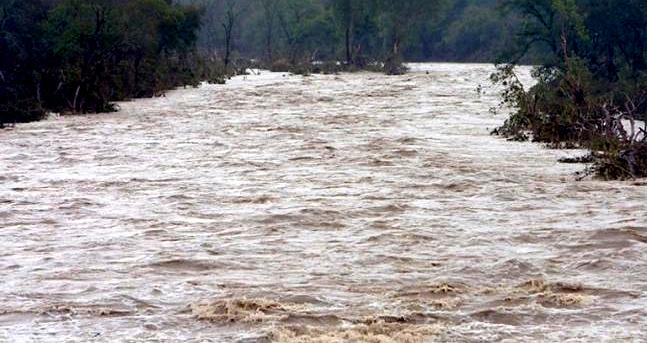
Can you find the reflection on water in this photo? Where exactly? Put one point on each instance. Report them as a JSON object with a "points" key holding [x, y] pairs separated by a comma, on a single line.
{"points": [[347, 208]]}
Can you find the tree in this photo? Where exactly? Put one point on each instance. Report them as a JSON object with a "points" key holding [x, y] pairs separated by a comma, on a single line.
{"points": [[83, 36], [398, 19], [269, 8], [225, 15], [292, 17], [593, 82], [233, 9], [80, 56], [346, 12], [22, 51]]}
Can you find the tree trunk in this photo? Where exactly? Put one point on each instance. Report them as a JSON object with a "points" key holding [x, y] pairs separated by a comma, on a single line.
{"points": [[349, 58], [393, 64], [612, 70], [229, 27], [268, 45], [396, 48], [227, 48], [135, 88]]}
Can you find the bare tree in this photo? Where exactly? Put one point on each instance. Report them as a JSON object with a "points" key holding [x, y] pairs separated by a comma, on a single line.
{"points": [[225, 14], [233, 10], [270, 8]]}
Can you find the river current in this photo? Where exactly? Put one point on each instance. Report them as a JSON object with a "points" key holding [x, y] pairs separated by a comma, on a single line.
{"points": [[328, 209]]}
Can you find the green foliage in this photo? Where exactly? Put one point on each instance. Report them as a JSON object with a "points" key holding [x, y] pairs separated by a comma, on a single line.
{"points": [[477, 34], [81, 55], [591, 93]]}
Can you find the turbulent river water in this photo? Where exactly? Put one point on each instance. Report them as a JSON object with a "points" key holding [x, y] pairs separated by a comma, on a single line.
{"points": [[340, 208]]}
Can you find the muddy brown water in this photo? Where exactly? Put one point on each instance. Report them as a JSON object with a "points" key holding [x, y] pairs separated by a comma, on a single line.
{"points": [[341, 208]]}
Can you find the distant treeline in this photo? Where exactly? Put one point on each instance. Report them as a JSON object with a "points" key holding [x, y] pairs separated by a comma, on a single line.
{"points": [[357, 31]]}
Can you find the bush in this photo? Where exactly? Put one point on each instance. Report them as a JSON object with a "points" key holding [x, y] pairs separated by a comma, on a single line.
{"points": [[590, 95]]}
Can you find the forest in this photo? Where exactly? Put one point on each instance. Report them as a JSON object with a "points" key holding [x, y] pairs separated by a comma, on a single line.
{"points": [[75, 56], [355, 30], [78, 56]]}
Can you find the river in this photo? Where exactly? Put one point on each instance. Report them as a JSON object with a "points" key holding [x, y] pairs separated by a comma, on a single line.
{"points": [[331, 208]]}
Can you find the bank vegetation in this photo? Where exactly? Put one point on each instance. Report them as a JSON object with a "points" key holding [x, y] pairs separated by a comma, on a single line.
{"points": [[591, 91]]}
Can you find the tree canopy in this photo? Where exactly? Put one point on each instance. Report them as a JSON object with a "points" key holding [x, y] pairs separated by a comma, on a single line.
{"points": [[592, 87], [80, 55]]}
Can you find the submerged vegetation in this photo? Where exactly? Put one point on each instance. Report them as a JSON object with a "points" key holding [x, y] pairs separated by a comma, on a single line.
{"points": [[592, 91]]}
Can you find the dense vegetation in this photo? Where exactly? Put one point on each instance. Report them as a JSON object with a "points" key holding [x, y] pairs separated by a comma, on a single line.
{"points": [[77, 56], [592, 89]]}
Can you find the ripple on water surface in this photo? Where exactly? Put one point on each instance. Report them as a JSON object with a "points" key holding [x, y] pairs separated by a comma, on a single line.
{"points": [[339, 208]]}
